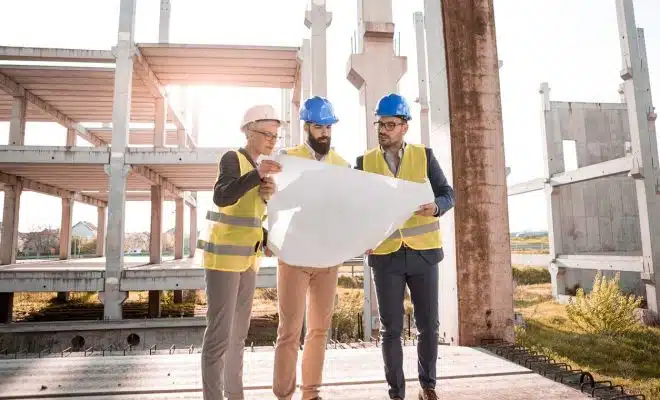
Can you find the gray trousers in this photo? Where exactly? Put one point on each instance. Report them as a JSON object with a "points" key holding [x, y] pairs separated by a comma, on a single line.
{"points": [[392, 273], [229, 298]]}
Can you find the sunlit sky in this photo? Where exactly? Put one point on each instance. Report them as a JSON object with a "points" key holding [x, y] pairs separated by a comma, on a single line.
{"points": [[571, 44]]}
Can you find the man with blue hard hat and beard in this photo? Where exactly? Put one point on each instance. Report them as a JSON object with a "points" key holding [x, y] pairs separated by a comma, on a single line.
{"points": [[309, 288]]}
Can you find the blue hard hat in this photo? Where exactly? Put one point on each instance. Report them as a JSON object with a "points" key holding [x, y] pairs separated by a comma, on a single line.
{"points": [[393, 105], [318, 110]]}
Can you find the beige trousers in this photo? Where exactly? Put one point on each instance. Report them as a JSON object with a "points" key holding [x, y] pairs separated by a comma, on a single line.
{"points": [[295, 287]]}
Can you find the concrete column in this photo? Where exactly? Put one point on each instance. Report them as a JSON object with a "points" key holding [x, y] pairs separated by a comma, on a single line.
{"points": [[376, 71], [644, 144], [440, 138], [164, 23], [485, 283], [285, 102], [10, 214], [192, 245], [318, 20], [100, 231], [423, 100], [154, 308], [553, 154], [112, 298], [17, 123], [306, 73], [160, 123], [156, 234], [65, 228], [181, 138], [6, 307], [71, 137], [295, 124], [178, 229]]}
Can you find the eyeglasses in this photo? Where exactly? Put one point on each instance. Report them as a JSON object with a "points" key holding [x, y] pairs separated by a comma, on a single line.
{"points": [[268, 135], [389, 125]]}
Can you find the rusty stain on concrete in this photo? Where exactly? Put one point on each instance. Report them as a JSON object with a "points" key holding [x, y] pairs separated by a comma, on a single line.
{"points": [[485, 284]]}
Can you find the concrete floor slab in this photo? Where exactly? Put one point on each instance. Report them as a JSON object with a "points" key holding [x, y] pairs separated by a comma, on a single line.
{"points": [[348, 374]]}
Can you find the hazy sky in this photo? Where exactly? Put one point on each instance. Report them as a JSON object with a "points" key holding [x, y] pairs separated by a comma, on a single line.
{"points": [[572, 44]]}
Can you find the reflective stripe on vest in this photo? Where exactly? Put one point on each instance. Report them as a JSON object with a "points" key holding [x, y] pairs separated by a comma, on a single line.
{"points": [[228, 249], [415, 230], [233, 233], [418, 232], [233, 219]]}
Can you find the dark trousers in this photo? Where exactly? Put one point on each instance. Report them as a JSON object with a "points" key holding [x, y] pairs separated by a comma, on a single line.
{"points": [[392, 272]]}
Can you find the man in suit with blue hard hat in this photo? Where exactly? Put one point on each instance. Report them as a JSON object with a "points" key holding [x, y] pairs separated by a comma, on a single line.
{"points": [[411, 255]]}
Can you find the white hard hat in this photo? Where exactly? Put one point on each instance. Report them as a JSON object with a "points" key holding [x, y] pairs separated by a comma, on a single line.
{"points": [[259, 113]]}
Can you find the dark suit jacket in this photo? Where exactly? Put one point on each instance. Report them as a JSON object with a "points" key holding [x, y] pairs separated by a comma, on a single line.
{"points": [[444, 199]]}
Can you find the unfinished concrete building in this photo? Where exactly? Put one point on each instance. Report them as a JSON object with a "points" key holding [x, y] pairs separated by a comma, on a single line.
{"points": [[604, 215]]}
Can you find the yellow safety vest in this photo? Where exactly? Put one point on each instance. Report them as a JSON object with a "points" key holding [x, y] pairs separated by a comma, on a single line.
{"points": [[235, 230], [418, 232], [302, 151]]}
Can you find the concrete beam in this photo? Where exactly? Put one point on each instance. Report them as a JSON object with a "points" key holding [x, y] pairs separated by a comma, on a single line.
{"points": [[53, 155], [200, 155], [155, 178], [14, 89], [190, 198], [27, 184], [182, 279], [526, 187], [51, 281], [157, 90], [601, 262], [54, 54], [485, 283], [586, 173]]}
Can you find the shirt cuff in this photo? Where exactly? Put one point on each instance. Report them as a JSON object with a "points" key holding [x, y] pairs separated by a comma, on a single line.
{"points": [[437, 209]]}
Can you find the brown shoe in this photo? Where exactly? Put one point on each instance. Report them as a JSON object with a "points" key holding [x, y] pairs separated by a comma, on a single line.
{"points": [[427, 394]]}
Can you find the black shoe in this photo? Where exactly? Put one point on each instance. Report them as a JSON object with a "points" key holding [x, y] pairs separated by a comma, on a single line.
{"points": [[427, 394]]}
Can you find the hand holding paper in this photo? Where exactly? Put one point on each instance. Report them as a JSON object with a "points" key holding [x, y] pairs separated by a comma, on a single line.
{"points": [[323, 215]]}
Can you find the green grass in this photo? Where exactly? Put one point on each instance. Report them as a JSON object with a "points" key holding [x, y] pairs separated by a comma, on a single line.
{"points": [[631, 360]]}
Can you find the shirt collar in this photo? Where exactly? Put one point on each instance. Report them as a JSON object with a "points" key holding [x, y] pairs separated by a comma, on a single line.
{"points": [[400, 152]]}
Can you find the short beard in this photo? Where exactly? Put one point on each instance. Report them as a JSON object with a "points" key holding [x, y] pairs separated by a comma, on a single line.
{"points": [[318, 147]]}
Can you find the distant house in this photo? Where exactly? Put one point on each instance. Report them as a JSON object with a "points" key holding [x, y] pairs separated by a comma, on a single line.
{"points": [[84, 229]]}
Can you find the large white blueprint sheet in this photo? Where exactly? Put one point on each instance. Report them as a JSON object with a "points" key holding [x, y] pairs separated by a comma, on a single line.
{"points": [[323, 215]]}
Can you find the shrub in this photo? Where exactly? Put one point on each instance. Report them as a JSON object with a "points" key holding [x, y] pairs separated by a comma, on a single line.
{"points": [[345, 318], [606, 310], [269, 294], [350, 282], [531, 275]]}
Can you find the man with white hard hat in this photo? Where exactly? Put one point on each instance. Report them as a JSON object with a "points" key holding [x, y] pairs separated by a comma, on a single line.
{"points": [[231, 249]]}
